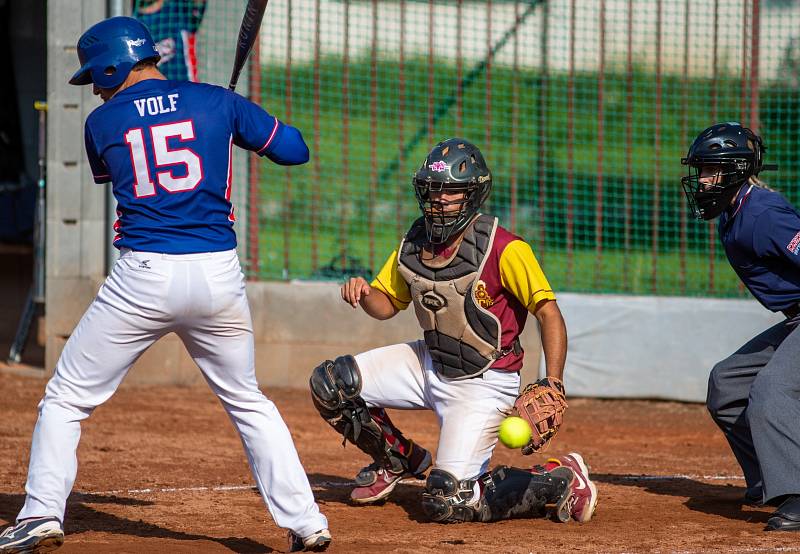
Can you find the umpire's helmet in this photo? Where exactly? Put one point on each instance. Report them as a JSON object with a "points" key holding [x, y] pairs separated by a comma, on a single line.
{"points": [[454, 165], [109, 50], [735, 152]]}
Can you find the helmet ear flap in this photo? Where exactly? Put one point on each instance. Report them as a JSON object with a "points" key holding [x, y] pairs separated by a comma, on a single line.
{"points": [[111, 76]]}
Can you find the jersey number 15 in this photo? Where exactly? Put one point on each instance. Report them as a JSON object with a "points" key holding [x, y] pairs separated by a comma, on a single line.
{"points": [[163, 156]]}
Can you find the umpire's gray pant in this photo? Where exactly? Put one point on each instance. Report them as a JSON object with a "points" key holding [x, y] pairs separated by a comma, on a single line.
{"points": [[754, 397]]}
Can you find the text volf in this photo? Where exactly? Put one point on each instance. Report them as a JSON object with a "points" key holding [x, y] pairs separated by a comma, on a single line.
{"points": [[155, 105]]}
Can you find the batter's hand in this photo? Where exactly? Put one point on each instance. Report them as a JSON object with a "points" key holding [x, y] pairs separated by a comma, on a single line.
{"points": [[354, 289]]}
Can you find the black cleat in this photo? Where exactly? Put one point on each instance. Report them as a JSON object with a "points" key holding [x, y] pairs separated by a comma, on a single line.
{"points": [[786, 517]]}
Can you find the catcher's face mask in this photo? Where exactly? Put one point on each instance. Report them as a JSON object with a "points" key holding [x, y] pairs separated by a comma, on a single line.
{"points": [[450, 187], [447, 208]]}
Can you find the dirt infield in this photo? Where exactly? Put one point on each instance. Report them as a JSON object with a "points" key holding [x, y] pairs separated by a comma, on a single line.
{"points": [[161, 470]]}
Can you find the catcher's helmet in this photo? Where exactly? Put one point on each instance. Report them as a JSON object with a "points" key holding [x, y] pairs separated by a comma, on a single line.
{"points": [[108, 51], [454, 165], [735, 153]]}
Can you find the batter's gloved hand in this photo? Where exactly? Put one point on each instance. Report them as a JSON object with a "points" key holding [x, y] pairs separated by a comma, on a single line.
{"points": [[542, 404]]}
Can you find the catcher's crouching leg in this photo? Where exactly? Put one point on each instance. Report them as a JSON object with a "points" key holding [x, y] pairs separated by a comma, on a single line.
{"points": [[505, 493], [336, 392]]}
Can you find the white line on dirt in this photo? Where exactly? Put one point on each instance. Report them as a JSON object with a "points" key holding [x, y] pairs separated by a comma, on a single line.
{"points": [[219, 488], [344, 484], [731, 549], [678, 477]]}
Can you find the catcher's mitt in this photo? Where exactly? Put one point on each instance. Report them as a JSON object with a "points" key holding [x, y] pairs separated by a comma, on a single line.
{"points": [[542, 405]]}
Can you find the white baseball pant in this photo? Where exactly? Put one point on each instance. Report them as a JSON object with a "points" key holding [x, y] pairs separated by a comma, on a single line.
{"points": [[469, 411], [201, 298]]}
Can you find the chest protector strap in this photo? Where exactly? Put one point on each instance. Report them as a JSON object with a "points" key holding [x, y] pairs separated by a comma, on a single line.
{"points": [[463, 338]]}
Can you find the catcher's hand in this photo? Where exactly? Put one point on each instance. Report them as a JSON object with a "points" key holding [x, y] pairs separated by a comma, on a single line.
{"points": [[542, 405]]}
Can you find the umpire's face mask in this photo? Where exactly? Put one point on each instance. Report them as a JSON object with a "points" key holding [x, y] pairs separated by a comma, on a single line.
{"points": [[710, 189]]}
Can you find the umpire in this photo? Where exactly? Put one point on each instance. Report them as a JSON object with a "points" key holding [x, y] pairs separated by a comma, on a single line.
{"points": [[754, 394]]}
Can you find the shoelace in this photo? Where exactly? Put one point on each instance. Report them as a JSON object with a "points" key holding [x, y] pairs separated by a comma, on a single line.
{"points": [[387, 472], [571, 502]]}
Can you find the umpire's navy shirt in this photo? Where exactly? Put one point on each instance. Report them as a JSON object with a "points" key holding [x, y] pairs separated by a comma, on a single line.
{"points": [[761, 236]]}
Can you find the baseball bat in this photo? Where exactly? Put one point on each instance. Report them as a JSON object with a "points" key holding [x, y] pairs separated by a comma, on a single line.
{"points": [[248, 31]]}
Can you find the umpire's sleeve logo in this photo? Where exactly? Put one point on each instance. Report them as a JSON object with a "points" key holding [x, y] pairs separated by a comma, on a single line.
{"points": [[794, 244]]}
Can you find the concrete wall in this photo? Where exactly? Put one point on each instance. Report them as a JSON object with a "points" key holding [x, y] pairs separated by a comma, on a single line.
{"points": [[296, 326], [653, 346], [76, 210], [619, 346]]}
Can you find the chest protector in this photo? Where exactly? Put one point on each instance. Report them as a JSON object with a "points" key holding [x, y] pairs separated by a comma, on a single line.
{"points": [[463, 338]]}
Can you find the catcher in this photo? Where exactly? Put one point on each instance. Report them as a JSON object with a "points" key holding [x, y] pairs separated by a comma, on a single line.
{"points": [[472, 284]]}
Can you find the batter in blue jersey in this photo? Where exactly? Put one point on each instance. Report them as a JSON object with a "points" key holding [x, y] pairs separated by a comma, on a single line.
{"points": [[166, 148]]}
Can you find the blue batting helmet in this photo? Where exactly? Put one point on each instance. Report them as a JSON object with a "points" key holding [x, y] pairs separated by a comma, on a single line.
{"points": [[109, 49]]}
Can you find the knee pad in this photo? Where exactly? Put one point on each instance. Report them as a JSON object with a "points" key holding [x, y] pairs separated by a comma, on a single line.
{"points": [[449, 500], [336, 392], [335, 384]]}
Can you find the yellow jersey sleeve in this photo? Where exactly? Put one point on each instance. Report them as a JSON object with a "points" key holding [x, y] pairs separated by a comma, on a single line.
{"points": [[521, 275], [390, 281]]}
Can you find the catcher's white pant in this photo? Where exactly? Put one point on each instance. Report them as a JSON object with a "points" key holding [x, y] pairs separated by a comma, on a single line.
{"points": [[200, 297], [469, 411]]}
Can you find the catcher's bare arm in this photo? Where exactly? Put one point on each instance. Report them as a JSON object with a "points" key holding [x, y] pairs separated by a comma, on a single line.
{"points": [[554, 337], [542, 404], [357, 291]]}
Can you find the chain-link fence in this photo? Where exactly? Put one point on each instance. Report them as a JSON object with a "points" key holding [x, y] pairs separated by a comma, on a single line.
{"points": [[582, 109]]}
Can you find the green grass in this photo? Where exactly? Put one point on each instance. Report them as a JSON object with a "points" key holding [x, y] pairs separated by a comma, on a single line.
{"points": [[611, 271], [347, 184]]}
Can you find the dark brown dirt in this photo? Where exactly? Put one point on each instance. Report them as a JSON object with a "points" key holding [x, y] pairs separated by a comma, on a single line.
{"points": [[179, 438]]}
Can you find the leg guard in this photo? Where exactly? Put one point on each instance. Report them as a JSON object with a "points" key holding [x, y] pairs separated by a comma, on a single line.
{"points": [[518, 493], [336, 392], [505, 493]]}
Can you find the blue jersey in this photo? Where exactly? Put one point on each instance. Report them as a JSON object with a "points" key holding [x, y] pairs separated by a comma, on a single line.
{"points": [[167, 148], [173, 27], [761, 236]]}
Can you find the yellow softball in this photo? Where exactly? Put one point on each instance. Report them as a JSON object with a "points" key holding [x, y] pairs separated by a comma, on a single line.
{"points": [[514, 432]]}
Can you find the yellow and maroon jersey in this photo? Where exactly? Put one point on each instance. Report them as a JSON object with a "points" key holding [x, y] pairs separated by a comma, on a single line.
{"points": [[511, 285]]}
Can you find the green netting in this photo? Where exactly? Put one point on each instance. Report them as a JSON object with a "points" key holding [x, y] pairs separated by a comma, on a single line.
{"points": [[583, 110]]}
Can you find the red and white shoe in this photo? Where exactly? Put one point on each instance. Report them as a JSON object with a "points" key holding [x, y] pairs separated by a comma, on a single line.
{"points": [[582, 500], [377, 483]]}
